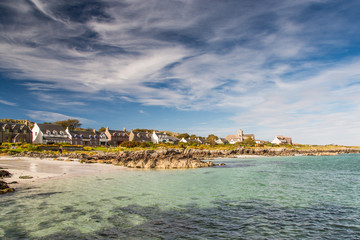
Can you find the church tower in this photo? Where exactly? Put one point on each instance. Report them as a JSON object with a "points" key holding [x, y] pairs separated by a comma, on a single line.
{"points": [[241, 135]]}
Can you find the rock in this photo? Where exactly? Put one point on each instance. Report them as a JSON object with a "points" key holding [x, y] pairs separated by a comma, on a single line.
{"points": [[4, 173], [3, 185], [7, 190], [26, 177]]}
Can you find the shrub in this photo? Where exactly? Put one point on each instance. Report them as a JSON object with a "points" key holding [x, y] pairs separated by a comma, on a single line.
{"points": [[31, 147], [130, 144], [146, 144], [88, 148]]}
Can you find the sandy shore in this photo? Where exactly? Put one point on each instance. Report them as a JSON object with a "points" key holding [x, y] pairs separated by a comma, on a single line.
{"points": [[40, 169]]}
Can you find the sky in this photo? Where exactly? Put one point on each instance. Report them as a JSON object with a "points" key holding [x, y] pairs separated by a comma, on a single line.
{"points": [[201, 67]]}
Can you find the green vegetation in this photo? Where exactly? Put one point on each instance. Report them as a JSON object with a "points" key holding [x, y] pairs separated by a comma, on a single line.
{"points": [[17, 147], [13, 148], [70, 123], [211, 139], [102, 129]]}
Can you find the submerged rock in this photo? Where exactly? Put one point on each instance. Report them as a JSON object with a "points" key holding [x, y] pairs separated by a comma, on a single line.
{"points": [[26, 177], [4, 188]]}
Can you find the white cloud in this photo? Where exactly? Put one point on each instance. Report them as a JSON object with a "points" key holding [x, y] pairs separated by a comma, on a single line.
{"points": [[7, 102], [53, 117]]}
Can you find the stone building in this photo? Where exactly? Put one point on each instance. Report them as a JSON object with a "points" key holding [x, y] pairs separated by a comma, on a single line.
{"points": [[84, 137], [116, 137], [239, 137], [14, 132], [139, 136]]}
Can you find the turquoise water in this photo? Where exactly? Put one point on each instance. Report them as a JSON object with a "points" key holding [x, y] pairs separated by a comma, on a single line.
{"points": [[257, 198]]}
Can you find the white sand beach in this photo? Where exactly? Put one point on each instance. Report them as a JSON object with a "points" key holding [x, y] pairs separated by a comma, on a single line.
{"points": [[40, 169], [250, 156]]}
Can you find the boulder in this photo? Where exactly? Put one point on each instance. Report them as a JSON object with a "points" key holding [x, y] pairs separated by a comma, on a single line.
{"points": [[3, 185], [4, 173]]}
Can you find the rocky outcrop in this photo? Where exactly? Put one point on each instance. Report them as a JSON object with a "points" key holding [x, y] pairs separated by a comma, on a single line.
{"points": [[161, 159]]}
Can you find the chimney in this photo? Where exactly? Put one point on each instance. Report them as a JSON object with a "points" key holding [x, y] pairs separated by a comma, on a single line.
{"points": [[124, 129]]}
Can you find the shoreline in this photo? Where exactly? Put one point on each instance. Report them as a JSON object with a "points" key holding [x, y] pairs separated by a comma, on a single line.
{"points": [[36, 169]]}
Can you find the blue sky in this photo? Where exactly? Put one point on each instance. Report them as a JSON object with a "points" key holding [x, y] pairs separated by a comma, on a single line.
{"points": [[204, 67]]}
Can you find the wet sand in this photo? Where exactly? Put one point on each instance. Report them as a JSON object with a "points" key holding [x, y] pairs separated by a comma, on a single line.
{"points": [[41, 169]]}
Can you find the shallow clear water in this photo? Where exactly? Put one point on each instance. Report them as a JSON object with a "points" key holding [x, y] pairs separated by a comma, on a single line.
{"points": [[258, 198]]}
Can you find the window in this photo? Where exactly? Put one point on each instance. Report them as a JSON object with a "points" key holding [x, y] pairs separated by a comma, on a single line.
{"points": [[48, 132], [55, 132]]}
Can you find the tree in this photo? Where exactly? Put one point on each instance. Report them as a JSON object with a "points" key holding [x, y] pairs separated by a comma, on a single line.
{"points": [[193, 136], [211, 139], [70, 123], [249, 142], [102, 129], [183, 135]]}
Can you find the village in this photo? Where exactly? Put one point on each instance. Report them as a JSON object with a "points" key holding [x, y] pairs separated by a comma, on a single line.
{"points": [[50, 134]]}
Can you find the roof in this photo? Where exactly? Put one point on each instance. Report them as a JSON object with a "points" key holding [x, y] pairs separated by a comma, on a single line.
{"points": [[118, 133], [174, 139], [57, 138], [142, 136], [282, 137], [51, 127], [13, 126], [84, 134], [248, 135], [233, 136], [165, 137]]}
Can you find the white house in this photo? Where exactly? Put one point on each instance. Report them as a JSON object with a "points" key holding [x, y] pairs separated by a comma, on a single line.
{"points": [[163, 138], [281, 140], [50, 134], [221, 141], [103, 139]]}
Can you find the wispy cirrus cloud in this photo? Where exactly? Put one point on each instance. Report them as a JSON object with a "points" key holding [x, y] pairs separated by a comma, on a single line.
{"points": [[7, 103], [46, 116], [260, 60]]}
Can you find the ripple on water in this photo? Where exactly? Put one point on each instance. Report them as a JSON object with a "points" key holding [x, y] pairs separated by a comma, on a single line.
{"points": [[287, 198]]}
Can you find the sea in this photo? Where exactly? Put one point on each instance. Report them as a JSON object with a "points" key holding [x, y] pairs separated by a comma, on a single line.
{"points": [[302, 197]]}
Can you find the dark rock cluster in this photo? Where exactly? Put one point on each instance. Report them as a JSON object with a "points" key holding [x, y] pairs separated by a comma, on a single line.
{"points": [[4, 187]]}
